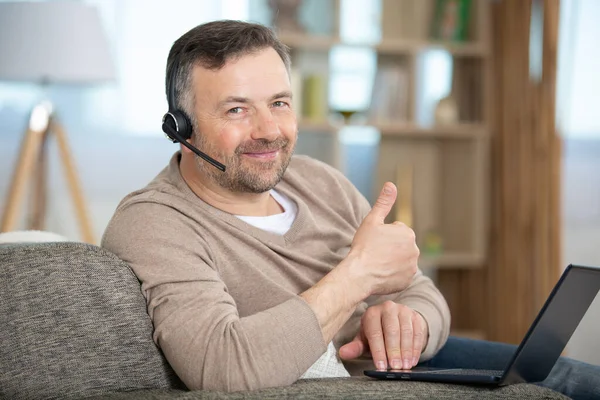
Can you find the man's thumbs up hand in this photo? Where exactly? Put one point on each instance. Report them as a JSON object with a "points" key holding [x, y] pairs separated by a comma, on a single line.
{"points": [[384, 256]]}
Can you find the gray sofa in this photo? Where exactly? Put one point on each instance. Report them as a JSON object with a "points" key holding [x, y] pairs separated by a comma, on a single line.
{"points": [[73, 324]]}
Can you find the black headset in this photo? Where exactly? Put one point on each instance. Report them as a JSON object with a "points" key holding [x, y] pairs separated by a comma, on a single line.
{"points": [[175, 123]]}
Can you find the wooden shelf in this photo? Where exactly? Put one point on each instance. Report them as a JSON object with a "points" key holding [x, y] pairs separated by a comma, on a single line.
{"points": [[452, 260], [459, 49], [460, 131], [309, 42], [311, 126], [405, 129], [412, 47], [386, 46]]}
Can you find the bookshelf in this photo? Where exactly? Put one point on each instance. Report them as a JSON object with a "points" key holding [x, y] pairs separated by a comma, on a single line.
{"points": [[448, 162]]}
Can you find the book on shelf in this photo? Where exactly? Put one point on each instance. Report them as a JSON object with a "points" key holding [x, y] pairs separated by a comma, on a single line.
{"points": [[451, 20], [314, 98], [405, 19], [467, 89], [389, 96], [405, 200], [296, 83]]}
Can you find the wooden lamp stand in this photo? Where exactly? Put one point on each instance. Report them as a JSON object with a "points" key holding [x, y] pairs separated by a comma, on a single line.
{"points": [[32, 163]]}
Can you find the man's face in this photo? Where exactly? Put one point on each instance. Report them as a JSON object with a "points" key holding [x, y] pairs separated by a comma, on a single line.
{"points": [[245, 121]]}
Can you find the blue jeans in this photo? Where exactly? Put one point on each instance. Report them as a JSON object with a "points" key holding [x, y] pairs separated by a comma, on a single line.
{"points": [[572, 378]]}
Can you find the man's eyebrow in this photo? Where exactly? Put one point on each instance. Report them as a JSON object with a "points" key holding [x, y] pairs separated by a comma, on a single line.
{"points": [[234, 99], [285, 93], [244, 100]]}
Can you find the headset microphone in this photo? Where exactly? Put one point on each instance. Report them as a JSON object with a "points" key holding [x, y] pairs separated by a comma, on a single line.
{"points": [[172, 133], [176, 124]]}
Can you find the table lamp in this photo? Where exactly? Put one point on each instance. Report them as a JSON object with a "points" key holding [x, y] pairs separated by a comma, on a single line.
{"points": [[57, 42]]}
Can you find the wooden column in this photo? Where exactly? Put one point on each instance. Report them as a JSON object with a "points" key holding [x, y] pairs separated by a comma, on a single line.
{"points": [[524, 262]]}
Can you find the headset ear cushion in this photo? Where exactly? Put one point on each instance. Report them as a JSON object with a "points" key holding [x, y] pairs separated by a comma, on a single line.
{"points": [[184, 127], [178, 122]]}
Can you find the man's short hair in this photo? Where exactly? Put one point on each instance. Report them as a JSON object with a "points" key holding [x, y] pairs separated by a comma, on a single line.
{"points": [[211, 45]]}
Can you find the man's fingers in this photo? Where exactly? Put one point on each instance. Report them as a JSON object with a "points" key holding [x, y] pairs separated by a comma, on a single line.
{"points": [[418, 338], [353, 349], [406, 336], [391, 334], [371, 325], [384, 203]]}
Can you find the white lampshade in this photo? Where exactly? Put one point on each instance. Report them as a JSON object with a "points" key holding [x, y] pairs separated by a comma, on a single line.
{"points": [[53, 42]]}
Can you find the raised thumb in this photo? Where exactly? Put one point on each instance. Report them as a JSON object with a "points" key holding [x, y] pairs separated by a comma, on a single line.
{"points": [[384, 203]]}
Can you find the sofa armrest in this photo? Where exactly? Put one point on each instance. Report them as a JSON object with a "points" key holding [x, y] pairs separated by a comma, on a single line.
{"points": [[73, 322], [356, 388]]}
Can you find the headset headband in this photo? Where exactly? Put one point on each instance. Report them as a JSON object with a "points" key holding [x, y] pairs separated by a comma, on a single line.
{"points": [[172, 88]]}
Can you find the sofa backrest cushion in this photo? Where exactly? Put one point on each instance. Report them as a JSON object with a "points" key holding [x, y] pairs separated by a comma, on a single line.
{"points": [[73, 323]]}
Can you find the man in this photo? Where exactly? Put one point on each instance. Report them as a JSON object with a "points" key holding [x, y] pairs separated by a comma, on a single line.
{"points": [[256, 275]]}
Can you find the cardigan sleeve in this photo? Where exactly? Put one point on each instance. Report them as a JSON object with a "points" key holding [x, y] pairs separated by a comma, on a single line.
{"points": [[196, 321]]}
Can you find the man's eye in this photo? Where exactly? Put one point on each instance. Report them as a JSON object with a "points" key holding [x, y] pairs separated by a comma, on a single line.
{"points": [[279, 103], [235, 110]]}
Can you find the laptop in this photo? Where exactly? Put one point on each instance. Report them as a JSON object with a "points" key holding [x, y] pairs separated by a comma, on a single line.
{"points": [[541, 347]]}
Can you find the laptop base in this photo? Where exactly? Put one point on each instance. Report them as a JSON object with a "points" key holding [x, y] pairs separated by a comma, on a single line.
{"points": [[448, 375]]}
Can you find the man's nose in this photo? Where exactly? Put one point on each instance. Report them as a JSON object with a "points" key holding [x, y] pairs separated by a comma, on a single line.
{"points": [[265, 126]]}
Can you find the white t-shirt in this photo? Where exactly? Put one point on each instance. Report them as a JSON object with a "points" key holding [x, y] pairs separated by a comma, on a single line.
{"points": [[277, 223], [328, 365]]}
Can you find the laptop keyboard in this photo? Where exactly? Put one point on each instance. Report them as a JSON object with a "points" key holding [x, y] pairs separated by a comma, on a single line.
{"points": [[459, 371]]}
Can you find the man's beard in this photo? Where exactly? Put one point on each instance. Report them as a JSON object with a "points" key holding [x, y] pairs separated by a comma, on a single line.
{"points": [[248, 176]]}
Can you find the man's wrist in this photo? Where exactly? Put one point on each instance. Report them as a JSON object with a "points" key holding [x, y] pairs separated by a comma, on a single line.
{"points": [[350, 272], [426, 341], [333, 299]]}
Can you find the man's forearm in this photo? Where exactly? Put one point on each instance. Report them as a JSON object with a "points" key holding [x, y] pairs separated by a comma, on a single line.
{"points": [[334, 298]]}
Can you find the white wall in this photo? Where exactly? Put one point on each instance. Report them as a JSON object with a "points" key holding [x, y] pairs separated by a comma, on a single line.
{"points": [[581, 233], [109, 167], [579, 63], [578, 120]]}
